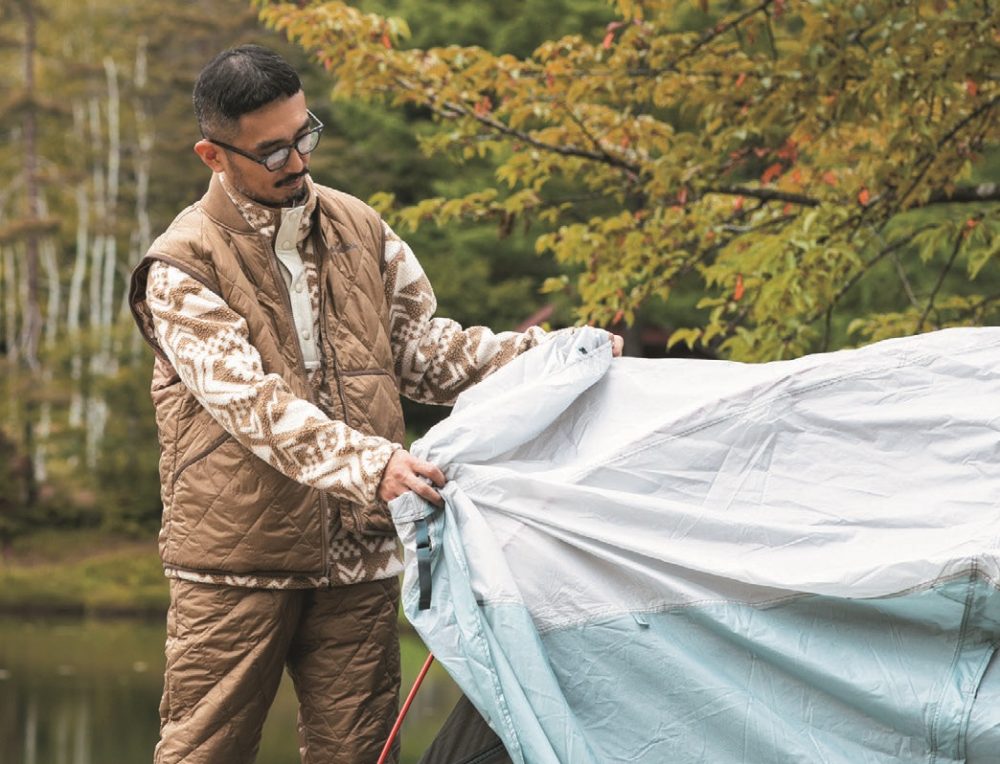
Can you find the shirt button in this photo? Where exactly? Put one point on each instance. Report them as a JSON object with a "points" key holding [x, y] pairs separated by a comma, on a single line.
{"points": [[286, 245], [306, 334], [298, 287]]}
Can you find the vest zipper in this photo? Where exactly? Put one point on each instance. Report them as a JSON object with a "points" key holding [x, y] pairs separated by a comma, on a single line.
{"points": [[321, 276], [324, 510]]}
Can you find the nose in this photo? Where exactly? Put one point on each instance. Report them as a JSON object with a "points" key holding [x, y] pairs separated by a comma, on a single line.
{"points": [[296, 163]]}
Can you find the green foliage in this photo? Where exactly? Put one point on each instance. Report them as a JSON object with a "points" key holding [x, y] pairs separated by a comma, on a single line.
{"points": [[107, 75], [86, 572], [13, 490], [787, 161], [766, 178]]}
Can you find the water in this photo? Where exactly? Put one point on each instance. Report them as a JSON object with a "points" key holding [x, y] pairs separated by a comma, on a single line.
{"points": [[86, 692]]}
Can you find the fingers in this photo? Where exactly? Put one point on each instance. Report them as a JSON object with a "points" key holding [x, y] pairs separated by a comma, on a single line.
{"points": [[405, 473], [617, 344], [431, 472], [424, 490]]}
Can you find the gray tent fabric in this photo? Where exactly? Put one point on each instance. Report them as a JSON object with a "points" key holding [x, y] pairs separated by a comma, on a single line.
{"points": [[466, 738], [692, 562]]}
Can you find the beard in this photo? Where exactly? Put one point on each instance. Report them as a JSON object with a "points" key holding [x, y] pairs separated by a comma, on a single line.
{"points": [[285, 192]]}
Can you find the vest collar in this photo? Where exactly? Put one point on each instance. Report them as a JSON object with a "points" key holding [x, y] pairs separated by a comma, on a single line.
{"points": [[220, 208], [220, 205]]}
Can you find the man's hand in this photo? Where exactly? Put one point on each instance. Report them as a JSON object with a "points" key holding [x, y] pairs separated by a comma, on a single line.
{"points": [[617, 343], [406, 473]]}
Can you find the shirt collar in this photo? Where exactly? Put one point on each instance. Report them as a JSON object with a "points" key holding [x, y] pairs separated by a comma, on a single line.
{"points": [[267, 220]]}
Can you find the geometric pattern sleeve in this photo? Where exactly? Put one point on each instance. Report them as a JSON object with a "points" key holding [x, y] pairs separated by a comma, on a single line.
{"points": [[208, 345], [436, 358]]}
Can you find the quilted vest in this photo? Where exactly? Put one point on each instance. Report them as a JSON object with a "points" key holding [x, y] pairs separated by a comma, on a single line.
{"points": [[224, 509]]}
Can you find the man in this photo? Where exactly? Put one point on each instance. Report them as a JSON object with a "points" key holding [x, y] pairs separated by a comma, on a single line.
{"points": [[286, 318]]}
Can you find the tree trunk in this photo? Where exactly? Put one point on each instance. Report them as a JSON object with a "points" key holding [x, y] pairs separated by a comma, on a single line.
{"points": [[32, 323], [92, 419], [10, 303], [110, 267], [76, 281], [142, 236]]}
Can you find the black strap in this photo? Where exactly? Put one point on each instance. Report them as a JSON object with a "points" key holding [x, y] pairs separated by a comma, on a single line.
{"points": [[423, 563]]}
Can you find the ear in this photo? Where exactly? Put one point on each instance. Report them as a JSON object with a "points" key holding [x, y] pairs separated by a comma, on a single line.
{"points": [[210, 154]]}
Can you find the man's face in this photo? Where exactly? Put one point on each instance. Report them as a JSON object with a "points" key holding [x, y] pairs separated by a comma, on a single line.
{"points": [[260, 132]]}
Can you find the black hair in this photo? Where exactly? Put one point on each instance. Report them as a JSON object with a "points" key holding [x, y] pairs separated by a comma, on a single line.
{"points": [[237, 82]]}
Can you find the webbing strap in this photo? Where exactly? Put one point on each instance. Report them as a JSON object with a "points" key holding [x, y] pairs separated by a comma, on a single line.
{"points": [[423, 563]]}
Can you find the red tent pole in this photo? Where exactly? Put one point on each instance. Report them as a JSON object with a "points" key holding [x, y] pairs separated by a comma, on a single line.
{"points": [[406, 707]]}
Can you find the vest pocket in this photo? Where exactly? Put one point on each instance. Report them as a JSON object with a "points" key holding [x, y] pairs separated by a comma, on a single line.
{"points": [[200, 455]]}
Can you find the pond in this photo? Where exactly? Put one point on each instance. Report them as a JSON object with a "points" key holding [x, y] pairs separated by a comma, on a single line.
{"points": [[86, 692]]}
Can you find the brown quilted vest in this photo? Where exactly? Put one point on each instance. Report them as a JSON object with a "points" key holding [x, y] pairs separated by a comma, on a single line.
{"points": [[224, 509]]}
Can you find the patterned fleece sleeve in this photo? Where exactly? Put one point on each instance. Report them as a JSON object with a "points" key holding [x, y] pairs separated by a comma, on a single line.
{"points": [[208, 345], [436, 358]]}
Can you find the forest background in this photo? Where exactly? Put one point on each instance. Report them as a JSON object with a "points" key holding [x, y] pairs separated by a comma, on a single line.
{"points": [[748, 180]]}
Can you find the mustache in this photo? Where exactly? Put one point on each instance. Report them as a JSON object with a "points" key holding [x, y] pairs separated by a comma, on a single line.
{"points": [[291, 179]]}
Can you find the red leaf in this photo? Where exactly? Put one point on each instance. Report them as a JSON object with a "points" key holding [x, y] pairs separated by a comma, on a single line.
{"points": [[682, 196], [386, 42], [618, 317], [863, 197], [738, 203], [483, 106], [779, 8], [830, 178], [771, 172], [971, 87], [741, 79], [789, 151], [738, 291], [610, 36], [787, 209]]}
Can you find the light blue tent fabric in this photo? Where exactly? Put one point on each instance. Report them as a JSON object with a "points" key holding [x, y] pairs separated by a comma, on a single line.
{"points": [[700, 561]]}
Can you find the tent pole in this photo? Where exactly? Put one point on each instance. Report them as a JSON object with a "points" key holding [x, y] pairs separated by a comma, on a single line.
{"points": [[406, 707]]}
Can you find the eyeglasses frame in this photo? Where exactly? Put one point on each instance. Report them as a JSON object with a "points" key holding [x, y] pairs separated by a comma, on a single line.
{"points": [[293, 146]]}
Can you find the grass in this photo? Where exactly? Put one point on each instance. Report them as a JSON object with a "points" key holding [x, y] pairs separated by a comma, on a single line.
{"points": [[86, 572], [82, 572]]}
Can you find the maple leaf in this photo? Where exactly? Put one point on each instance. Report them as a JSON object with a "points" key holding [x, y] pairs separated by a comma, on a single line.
{"points": [[772, 172]]}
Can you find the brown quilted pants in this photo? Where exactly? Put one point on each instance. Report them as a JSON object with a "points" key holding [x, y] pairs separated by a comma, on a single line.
{"points": [[226, 648]]}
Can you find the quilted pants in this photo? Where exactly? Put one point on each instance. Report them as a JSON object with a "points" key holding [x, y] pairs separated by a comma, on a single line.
{"points": [[226, 648]]}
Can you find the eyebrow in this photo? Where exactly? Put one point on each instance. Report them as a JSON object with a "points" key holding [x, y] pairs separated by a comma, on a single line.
{"points": [[261, 147]]}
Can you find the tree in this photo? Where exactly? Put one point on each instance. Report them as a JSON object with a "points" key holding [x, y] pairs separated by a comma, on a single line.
{"points": [[96, 102], [815, 171]]}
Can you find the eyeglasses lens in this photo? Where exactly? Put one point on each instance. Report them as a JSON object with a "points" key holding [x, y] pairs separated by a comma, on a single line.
{"points": [[303, 145]]}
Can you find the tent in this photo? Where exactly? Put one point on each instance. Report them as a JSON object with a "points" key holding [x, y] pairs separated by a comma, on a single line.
{"points": [[704, 561]]}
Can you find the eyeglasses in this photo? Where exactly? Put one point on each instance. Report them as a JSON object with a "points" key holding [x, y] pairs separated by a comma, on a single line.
{"points": [[278, 158]]}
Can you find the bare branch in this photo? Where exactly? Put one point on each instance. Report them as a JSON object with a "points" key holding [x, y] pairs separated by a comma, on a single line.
{"points": [[717, 31], [905, 281], [764, 194], [851, 282], [984, 192], [928, 160], [937, 286], [452, 109]]}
